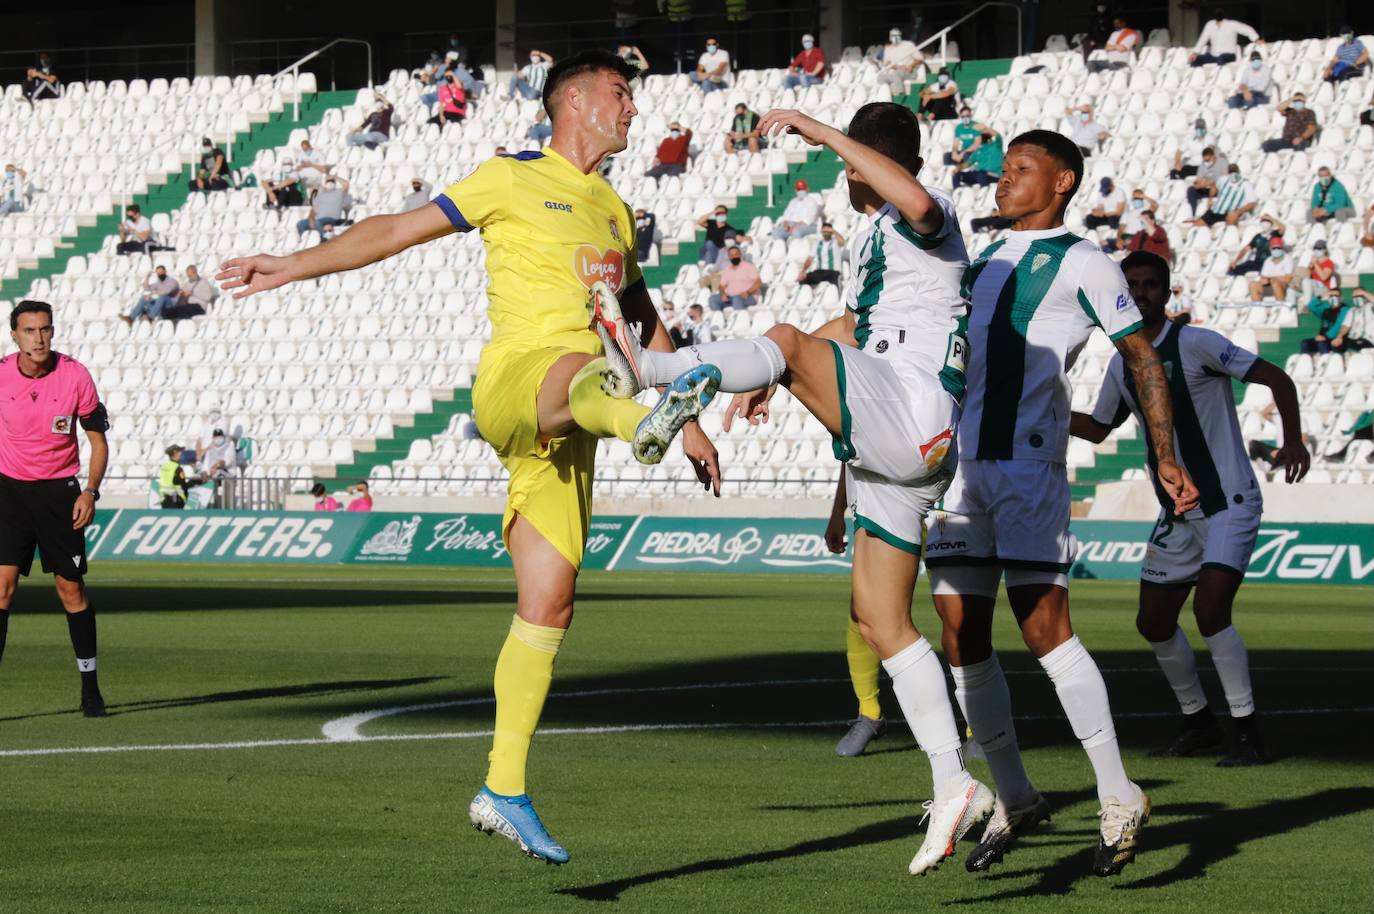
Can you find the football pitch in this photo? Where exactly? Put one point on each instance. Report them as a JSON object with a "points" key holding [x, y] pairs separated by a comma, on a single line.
{"points": [[686, 759]]}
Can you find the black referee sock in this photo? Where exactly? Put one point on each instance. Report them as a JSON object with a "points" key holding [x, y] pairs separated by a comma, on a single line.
{"points": [[4, 629], [82, 628]]}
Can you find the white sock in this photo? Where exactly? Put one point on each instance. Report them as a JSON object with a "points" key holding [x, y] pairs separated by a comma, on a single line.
{"points": [[1083, 695], [981, 690], [1176, 659], [744, 364], [919, 684], [1233, 668]]}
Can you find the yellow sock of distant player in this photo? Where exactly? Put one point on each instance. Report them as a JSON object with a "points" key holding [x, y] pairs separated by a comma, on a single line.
{"points": [[598, 412], [863, 671], [523, 673]]}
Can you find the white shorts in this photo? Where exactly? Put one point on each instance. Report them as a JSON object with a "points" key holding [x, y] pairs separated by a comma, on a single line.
{"points": [[894, 512], [1002, 515], [1181, 547]]}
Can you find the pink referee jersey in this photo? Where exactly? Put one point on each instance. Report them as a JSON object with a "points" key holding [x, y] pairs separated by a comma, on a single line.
{"points": [[38, 418]]}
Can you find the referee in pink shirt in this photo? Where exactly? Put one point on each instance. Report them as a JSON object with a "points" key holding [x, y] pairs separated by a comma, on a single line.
{"points": [[43, 396]]}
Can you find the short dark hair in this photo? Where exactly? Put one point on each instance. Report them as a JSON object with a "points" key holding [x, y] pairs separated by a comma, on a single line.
{"points": [[29, 306], [891, 129], [1059, 147], [1209, 151], [580, 64], [1148, 259], [317, 489]]}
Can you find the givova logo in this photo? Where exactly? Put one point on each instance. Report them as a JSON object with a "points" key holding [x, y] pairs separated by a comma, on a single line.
{"points": [[1279, 555], [268, 536]]}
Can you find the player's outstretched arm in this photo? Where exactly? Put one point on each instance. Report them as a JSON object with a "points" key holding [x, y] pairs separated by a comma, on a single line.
{"points": [[1082, 425], [374, 238], [889, 180], [1152, 392], [1293, 455]]}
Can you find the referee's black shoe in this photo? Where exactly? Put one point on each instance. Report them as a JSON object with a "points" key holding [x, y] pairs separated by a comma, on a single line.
{"points": [[92, 703]]}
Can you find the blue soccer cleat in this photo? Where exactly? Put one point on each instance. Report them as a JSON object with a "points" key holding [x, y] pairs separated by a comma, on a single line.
{"points": [[682, 401], [515, 818]]}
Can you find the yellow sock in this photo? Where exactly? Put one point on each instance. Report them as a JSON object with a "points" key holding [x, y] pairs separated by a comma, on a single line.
{"points": [[598, 412], [523, 673], [863, 671]]}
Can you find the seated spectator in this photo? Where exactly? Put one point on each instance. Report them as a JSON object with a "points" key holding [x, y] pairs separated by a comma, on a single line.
{"points": [[172, 483], [1255, 82], [220, 458], [159, 292], [1275, 275], [744, 131], [362, 497], [694, 329], [213, 173], [323, 500], [1208, 176], [135, 232], [983, 160], [634, 56], [1362, 429], [899, 60], [740, 283], [1299, 126], [528, 81], [420, 192], [1107, 206], [284, 187], [940, 101], [1133, 221], [1333, 316], [1152, 237], [12, 190], [453, 102], [469, 76], [376, 127], [1250, 258], [430, 73], [1321, 272], [807, 68], [540, 130], [1188, 157], [1330, 199], [193, 299], [1179, 307], [713, 67], [673, 153], [1120, 47], [827, 263], [41, 82], [1234, 197], [966, 133], [1220, 40], [1086, 133], [327, 206], [667, 313], [1351, 58], [803, 213], [310, 163], [646, 233], [718, 232]]}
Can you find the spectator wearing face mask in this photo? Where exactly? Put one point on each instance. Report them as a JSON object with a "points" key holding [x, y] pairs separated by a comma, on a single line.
{"points": [[1188, 156], [1330, 200], [540, 130], [220, 458], [528, 81], [1179, 308], [740, 283], [1299, 126], [1151, 237], [899, 60], [940, 101], [311, 164], [1107, 206], [323, 500], [135, 232], [1321, 272], [1256, 251], [1234, 198], [453, 102], [1350, 59], [1207, 178], [1276, 274], [1120, 48], [214, 168], [417, 196], [695, 329], [326, 206], [673, 153], [193, 299], [40, 81], [1087, 133], [718, 232], [1132, 221], [362, 497], [159, 292], [633, 55], [982, 163], [469, 76], [713, 67], [826, 264], [966, 134], [744, 131], [376, 127], [1334, 319], [12, 190], [802, 214], [807, 68], [646, 233], [1255, 82], [284, 187], [1219, 42]]}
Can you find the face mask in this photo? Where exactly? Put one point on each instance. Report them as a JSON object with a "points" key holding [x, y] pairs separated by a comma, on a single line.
{"points": [[1201, 131], [1266, 227], [1256, 64], [161, 276], [1084, 116], [217, 440], [674, 133], [735, 260], [1235, 179], [943, 79], [415, 187], [1326, 182], [1348, 37], [710, 49], [808, 44], [205, 146], [720, 218], [330, 186], [895, 37], [827, 235], [1138, 204], [1298, 106], [966, 120], [641, 222]]}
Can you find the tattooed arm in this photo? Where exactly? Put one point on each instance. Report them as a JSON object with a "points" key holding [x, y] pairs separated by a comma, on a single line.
{"points": [[1152, 393]]}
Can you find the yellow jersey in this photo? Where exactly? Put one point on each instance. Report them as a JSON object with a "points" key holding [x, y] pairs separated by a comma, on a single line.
{"points": [[550, 232]]}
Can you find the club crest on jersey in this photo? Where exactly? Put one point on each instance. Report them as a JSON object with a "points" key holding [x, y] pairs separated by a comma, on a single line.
{"points": [[1038, 261], [62, 425], [615, 230]]}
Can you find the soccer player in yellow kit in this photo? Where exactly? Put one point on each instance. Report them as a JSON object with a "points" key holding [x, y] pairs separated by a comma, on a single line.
{"points": [[553, 229]]}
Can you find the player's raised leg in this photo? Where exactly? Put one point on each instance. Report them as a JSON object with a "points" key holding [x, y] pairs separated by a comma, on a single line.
{"points": [[1157, 622]]}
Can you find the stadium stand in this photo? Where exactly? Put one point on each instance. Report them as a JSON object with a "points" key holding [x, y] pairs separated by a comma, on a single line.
{"points": [[366, 374]]}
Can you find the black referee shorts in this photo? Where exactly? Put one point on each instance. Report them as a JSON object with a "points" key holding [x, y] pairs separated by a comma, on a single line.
{"points": [[38, 514]]}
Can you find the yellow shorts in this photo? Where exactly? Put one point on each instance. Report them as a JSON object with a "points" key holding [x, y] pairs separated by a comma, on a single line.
{"points": [[550, 483]]}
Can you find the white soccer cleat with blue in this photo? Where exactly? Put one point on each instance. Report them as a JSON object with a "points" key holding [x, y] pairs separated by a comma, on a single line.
{"points": [[682, 401], [515, 818], [621, 379], [950, 818]]}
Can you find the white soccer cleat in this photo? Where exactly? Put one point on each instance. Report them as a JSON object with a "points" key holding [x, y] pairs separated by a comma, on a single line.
{"points": [[950, 819], [621, 379]]}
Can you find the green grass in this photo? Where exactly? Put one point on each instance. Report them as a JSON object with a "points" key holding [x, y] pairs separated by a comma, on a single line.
{"points": [[752, 817]]}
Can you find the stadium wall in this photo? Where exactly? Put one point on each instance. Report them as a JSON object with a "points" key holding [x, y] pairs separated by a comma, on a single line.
{"points": [[1109, 550]]}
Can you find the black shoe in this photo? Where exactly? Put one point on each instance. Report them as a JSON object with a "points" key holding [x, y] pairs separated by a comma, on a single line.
{"points": [[1246, 749], [1005, 826], [1200, 737], [92, 703]]}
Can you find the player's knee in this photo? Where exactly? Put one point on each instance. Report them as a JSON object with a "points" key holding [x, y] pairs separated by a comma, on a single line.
{"points": [[553, 614], [1211, 618], [1045, 631], [786, 336], [8, 586], [1154, 627]]}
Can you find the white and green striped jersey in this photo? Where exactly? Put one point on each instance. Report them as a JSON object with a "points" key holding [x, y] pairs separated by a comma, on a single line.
{"points": [[905, 293], [829, 255], [1036, 297], [536, 74], [1199, 364], [1233, 192]]}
